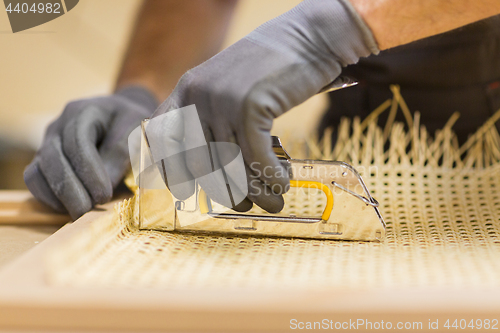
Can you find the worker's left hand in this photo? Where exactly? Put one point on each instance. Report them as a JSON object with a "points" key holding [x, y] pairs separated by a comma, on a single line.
{"points": [[84, 154]]}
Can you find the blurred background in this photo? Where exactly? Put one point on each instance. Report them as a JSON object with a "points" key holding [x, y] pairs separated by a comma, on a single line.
{"points": [[78, 55]]}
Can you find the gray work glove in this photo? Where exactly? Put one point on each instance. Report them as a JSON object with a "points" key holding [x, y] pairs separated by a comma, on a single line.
{"points": [[84, 154], [241, 90]]}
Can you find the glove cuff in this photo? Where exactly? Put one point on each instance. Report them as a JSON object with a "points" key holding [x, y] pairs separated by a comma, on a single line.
{"points": [[326, 29], [139, 95], [366, 31]]}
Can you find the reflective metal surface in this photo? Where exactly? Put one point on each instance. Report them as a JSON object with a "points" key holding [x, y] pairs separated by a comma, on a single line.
{"points": [[354, 214]]}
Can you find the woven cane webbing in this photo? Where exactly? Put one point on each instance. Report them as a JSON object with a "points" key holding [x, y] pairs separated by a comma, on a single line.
{"points": [[440, 202]]}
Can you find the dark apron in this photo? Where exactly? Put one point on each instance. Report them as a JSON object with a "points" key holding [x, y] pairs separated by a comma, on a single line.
{"points": [[454, 71]]}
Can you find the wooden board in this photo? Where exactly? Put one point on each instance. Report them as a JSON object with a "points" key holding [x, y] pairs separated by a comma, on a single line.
{"points": [[20, 207], [28, 302]]}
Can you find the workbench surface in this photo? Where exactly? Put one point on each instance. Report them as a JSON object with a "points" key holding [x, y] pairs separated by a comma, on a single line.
{"points": [[29, 302], [16, 240], [24, 223]]}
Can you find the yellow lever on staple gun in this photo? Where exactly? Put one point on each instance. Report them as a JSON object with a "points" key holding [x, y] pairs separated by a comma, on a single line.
{"points": [[319, 186], [204, 203]]}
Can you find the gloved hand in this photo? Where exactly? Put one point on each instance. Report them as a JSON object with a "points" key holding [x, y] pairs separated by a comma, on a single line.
{"points": [[241, 90], [84, 154]]}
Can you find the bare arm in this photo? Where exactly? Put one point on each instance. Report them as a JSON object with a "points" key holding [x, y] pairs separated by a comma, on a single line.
{"points": [[398, 22], [170, 37]]}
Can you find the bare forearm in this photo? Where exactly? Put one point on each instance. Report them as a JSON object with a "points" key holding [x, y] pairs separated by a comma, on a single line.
{"points": [[398, 22], [172, 36]]}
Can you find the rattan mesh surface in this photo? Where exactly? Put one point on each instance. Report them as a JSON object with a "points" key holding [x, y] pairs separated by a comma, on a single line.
{"points": [[441, 204]]}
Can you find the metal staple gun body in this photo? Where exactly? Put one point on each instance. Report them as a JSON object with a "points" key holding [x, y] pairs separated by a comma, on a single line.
{"points": [[326, 200]]}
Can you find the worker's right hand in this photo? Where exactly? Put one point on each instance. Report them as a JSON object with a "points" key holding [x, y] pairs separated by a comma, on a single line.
{"points": [[84, 154], [240, 91]]}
